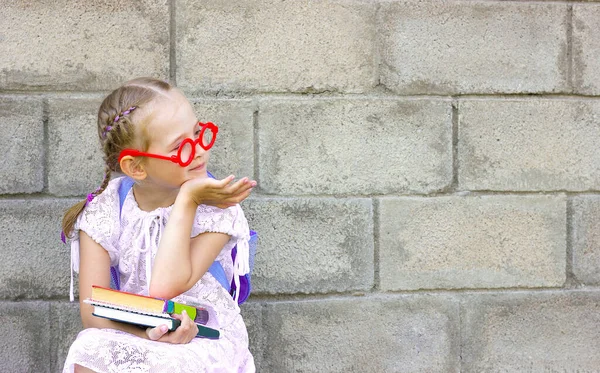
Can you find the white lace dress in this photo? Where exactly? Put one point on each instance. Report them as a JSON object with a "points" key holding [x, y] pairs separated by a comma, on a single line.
{"points": [[132, 241]]}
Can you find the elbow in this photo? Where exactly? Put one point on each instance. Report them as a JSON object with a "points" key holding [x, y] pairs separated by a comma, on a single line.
{"points": [[159, 292], [163, 291], [168, 288]]}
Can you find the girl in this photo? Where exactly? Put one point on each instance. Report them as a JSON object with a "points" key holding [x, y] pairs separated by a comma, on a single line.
{"points": [[173, 224]]}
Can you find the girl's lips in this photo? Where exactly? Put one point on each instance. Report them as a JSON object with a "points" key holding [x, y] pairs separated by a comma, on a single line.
{"points": [[197, 168]]}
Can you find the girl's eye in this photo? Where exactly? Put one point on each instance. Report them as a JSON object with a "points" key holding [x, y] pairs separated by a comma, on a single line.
{"points": [[176, 148], [197, 133]]}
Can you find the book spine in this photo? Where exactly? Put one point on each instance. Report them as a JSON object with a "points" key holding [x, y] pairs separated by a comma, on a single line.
{"points": [[202, 316], [169, 306], [174, 324], [206, 332], [199, 315], [191, 311]]}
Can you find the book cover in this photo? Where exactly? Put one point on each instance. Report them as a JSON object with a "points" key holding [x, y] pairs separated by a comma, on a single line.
{"points": [[147, 319], [136, 318], [131, 301]]}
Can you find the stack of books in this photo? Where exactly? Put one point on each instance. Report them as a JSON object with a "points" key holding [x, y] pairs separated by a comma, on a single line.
{"points": [[149, 312]]}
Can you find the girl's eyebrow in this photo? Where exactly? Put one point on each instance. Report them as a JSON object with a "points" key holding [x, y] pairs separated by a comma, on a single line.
{"points": [[180, 137], [174, 142]]}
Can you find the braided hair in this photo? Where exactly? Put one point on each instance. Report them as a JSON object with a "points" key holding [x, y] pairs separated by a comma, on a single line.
{"points": [[121, 112]]}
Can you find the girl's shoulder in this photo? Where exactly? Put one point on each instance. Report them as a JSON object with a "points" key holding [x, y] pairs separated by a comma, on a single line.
{"points": [[103, 210], [100, 220], [108, 199]]}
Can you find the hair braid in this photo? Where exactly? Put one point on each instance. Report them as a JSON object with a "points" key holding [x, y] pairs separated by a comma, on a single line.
{"points": [[121, 112], [105, 182]]}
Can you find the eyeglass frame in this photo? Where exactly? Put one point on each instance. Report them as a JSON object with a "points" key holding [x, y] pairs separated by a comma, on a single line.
{"points": [[177, 158]]}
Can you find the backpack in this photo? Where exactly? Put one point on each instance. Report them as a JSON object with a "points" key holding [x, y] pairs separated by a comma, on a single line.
{"points": [[216, 269]]}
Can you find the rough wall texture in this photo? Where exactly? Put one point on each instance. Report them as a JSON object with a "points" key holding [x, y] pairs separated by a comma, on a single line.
{"points": [[429, 179]]}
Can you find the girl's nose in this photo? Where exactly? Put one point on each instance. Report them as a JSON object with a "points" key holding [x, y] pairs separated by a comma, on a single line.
{"points": [[199, 150]]}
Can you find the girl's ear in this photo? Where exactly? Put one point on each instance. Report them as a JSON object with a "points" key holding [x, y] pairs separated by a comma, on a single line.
{"points": [[132, 168]]}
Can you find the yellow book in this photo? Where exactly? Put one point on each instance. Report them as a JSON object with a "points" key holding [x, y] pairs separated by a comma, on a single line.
{"points": [[140, 303]]}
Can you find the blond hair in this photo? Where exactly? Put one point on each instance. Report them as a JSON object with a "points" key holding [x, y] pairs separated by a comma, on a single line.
{"points": [[118, 124]]}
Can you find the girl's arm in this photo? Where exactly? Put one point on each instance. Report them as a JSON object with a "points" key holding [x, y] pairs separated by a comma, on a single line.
{"points": [[180, 260], [94, 269]]}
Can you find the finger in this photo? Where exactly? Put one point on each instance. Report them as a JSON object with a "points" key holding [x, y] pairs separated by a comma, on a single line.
{"points": [[193, 330], [226, 181], [157, 332], [177, 316], [188, 328], [215, 184], [184, 318], [234, 188], [242, 196], [248, 185], [175, 336], [233, 200]]}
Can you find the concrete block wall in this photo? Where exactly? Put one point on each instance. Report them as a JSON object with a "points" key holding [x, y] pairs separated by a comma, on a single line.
{"points": [[429, 179]]}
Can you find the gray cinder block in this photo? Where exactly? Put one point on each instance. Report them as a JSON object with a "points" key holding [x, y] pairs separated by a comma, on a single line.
{"points": [[22, 145], [75, 156], [65, 324], [412, 333], [472, 242], [233, 151], [586, 49], [355, 146], [529, 145], [531, 332], [586, 239], [35, 262], [273, 46], [25, 342], [316, 245], [449, 47], [62, 45]]}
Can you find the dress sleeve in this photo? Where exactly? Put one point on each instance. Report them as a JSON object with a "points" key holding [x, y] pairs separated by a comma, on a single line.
{"points": [[100, 220], [231, 221]]}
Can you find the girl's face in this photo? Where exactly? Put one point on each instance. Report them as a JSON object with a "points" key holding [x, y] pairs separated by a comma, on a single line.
{"points": [[173, 119]]}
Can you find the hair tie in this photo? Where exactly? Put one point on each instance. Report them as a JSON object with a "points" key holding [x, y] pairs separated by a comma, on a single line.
{"points": [[90, 198], [119, 116], [106, 129]]}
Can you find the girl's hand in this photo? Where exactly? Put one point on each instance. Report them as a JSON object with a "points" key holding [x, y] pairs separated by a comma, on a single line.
{"points": [[218, 193], [183, 334]]}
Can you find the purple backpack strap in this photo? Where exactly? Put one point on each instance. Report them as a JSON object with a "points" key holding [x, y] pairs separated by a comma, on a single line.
{"points": [[245, 283]]}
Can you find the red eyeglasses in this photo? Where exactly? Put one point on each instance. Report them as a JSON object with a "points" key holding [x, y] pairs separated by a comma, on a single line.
{"points": [[187, 149]]}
